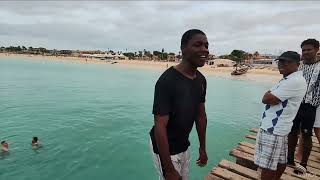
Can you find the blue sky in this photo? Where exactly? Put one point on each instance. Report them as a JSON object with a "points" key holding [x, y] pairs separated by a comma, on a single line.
{"points": [[267, 27]]}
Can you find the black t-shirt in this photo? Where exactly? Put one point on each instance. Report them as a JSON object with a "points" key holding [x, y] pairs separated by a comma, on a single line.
{"points": [[179, 97]]}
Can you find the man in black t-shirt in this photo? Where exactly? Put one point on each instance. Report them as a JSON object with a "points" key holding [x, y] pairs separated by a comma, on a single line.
{"points": [[179, 102]]}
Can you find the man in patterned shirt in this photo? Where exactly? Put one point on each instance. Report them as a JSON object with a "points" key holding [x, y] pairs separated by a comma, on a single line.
{"points": [[304, 121], [282, 104]]}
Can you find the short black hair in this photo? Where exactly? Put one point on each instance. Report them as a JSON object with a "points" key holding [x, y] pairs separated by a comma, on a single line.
{"points": [[2, 142], [313, 42], [35, 139], [188, 35]]}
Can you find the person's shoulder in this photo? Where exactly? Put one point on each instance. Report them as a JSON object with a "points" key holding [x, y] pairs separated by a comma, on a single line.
{"points": [[201, 76], [296, 80], [299, 77], [167, 76]]}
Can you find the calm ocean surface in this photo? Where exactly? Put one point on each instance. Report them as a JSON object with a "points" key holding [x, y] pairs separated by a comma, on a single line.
{"points": [[93, 120]]}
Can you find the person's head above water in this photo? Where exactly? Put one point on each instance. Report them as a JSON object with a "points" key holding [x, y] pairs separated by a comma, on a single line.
{"points": [[194, 47], [35, 139], [4, 144]]}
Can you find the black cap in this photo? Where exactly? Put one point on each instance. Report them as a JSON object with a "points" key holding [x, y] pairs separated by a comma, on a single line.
{"points": [[289, 56]]}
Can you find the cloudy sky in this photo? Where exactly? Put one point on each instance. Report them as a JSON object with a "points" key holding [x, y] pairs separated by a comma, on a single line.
{"points": [[267, 27]]}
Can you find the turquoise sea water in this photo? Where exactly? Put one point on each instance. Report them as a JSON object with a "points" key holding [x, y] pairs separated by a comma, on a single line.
{"points": [[93, 120]]}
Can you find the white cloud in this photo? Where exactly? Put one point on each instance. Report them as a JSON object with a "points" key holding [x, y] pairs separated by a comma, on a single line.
{"points": [[138, 25]]}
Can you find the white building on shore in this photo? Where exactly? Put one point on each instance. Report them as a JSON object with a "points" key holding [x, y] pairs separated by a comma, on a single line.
{"points": [[106, 56]]}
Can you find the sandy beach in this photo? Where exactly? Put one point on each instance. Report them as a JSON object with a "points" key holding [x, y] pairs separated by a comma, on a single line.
{"points": [[258, 75]]}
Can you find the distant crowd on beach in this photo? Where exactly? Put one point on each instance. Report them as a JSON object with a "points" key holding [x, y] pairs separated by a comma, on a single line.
{"points": [[35, 144]]}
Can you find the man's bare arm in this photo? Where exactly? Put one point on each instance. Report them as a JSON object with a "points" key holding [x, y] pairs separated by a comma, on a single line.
{"points": [[270, 99], [201, 125]]}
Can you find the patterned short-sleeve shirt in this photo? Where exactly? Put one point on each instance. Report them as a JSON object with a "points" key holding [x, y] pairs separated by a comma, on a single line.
{"points": [[277, 119], [311, 72]]}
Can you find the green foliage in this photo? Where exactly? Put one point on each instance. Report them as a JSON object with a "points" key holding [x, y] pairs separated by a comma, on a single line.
{"points": [[13, 49], [148, 54], [130, 55], [164, 56], [236, 55], [156, 53]]}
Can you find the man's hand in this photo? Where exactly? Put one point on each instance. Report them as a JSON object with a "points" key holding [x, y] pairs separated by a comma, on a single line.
{"points": [[172, 175], [203, 158]]}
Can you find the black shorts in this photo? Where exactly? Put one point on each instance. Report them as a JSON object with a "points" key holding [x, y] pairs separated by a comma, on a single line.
{"points": [[304, 119]]}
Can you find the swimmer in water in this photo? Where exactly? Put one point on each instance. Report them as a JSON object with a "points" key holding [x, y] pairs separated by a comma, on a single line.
{"points": [[4, 146], [35, 143]]}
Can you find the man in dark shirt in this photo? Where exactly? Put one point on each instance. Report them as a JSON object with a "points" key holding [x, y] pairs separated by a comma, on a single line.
{"points": [[179, 102]]}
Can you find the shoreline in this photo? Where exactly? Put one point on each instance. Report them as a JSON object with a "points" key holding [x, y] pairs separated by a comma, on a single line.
{"points": [[257, 75]]}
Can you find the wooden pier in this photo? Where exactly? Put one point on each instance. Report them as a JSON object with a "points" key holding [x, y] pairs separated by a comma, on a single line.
{"points": [[244, 169]]}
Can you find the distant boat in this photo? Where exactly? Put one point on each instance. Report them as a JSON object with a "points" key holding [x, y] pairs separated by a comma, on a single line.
{"points": [[240, 71]]}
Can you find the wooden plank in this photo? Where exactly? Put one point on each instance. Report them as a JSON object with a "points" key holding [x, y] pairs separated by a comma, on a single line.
{"points": [[244, 153], [247, 144], [286, 176], [289, 172], [244, 159], [243, 171], [249, 157], [254, 130], [249, 173], [314, 156], [225, 174], [246, 149], [253, 137], [241, 155], [312, 162], [314, 138], [212, 177], [252, 174], [315, 151]]}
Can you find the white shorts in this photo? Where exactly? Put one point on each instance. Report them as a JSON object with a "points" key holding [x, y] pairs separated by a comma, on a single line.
{"points": [[181, 163], [317, 121]]}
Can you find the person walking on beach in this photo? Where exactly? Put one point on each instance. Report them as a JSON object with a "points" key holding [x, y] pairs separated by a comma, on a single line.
{"points": [[304, 121], [281, 106], [179, 102]]}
